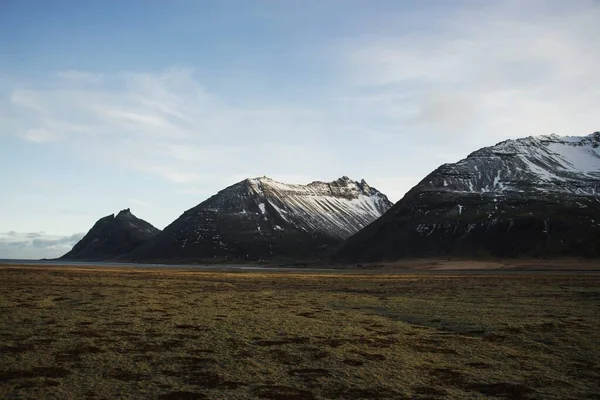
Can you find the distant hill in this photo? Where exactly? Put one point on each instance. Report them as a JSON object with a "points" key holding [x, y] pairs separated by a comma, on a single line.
{"points": [[112, 236]]}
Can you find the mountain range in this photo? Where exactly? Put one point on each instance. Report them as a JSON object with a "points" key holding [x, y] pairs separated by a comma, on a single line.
{"points": [[535, 196], [256, 219]]}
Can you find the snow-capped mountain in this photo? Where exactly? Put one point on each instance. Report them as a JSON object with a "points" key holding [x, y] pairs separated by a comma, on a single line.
{"points": [[541, 163], [532, 196], [337, 209], [264, 219], [111, 237]]}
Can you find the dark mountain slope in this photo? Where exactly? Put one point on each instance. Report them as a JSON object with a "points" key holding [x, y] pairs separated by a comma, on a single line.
{"points": [[260, 219], [537, 196], [111, 237]]}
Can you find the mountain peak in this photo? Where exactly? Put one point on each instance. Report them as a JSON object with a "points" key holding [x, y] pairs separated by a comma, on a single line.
{"points": [[546, 163], [260, 218], [111, 237], [124, 212], [538, 195]]}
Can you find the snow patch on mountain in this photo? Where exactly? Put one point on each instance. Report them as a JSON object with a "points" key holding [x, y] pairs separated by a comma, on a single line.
{"points": [[547, 163], [337, 209]]}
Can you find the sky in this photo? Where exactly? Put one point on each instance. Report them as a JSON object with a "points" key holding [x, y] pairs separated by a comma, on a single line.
{"points": [[157, 105]]}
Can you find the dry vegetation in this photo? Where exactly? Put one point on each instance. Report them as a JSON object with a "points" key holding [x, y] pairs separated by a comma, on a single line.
{"points": [[72, 333]]}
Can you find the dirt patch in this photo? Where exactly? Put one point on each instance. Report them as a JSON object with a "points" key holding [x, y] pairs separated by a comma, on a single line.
{"points": [[478, 365], [46, 372], [18, 348], [370, 356], [508, 390], [309, 374], [353, 362], [281, 342], [75, 354], [430, 391], [285, 357], [126, 376], [182, 395], [28, 384], [307, 314], [280, 392], [366, 393], [447, 376]]}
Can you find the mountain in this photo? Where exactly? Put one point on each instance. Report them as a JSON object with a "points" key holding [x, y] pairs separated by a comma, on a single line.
{"points": [[259, 219], [536, 196], [111, 237]]}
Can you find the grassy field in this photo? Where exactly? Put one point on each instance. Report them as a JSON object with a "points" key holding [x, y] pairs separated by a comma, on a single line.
{"points": [[73, 333]]}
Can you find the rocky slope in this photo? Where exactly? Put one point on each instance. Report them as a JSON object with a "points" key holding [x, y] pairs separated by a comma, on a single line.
{"points": [[536, 196], [260, 219], [112, 236]]}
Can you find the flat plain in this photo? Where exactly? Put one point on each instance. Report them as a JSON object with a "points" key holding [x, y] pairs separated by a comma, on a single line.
{"points": [[103, 333]]}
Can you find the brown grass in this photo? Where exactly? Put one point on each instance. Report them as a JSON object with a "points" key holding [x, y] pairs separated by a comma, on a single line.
{"points": [[180, 334]]}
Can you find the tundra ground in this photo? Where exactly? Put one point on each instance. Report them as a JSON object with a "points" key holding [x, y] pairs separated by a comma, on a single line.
{"points": [[73, 333]]}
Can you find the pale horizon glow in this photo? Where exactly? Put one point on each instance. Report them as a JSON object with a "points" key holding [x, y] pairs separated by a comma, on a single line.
{"points": [[156, 106]]}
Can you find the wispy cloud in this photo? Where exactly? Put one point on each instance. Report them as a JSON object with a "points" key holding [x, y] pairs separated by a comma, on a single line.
{"points": [[35, 245], [38, 135], [166, 124], [80, 76], [139, 202], [485, 73], [400, 102]]}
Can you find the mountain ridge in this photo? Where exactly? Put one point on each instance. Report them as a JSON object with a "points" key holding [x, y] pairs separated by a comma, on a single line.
{"points": [[260, 219], [534, 196]]}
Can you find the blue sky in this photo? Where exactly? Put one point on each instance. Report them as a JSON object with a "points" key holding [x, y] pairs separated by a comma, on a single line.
{"points": [[157, 105]]}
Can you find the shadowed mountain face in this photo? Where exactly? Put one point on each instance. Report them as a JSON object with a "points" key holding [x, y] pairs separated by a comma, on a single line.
{"points": [[536, 196], [260, 219], [111, 237]]}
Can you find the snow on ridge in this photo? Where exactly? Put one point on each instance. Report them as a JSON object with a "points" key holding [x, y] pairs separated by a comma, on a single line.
{"points": [[577, 158], [541, 163], [345, 186], [339, 208]]}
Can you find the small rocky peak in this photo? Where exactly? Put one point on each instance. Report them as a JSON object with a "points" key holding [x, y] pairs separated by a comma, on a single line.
{"points": [[126, 213], [342, 183], [344, 180], [107, 218], [595, 138], [364, 187], [550, 137], [257, 180]]}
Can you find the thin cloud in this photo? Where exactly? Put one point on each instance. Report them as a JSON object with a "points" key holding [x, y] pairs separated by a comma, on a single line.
{"points": [[139, 202], [35, 245], [487, 73], [167, 125], [80, 76], [38, 136], [33, 235]]}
